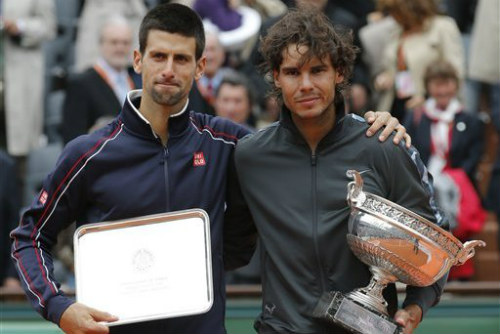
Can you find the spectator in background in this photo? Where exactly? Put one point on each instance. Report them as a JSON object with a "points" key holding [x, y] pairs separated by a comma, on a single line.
{"points": [[238, 26], [358, 97], [222, 13], [10, 206], [442, 112], [26, 25], [234, 99], [94, 14], [373, 38], [423, 37], [202, 95], [101, 90], [450, 142], [484, 64]]}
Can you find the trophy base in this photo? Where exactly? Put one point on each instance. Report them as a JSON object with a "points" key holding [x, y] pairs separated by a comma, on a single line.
{"points": [[336, 308]]}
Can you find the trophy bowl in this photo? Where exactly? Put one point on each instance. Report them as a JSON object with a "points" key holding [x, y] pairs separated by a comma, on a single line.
{"points": [[397, 245]]}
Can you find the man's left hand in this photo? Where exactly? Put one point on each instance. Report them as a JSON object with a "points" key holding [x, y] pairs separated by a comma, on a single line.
{"points": [[378, 119], [409, 318]]}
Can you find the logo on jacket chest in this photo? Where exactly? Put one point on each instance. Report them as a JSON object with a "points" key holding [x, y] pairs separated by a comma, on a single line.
{"points": [[199, 159]]}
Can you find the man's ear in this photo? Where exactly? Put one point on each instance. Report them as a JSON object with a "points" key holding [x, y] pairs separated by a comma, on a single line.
{"points": [[200, 68], [137, 62], [275, 78], [338, 78]]}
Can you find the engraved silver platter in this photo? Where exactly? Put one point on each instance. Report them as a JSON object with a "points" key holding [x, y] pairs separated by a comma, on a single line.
{"points": [[146, 268], [397, 245]]}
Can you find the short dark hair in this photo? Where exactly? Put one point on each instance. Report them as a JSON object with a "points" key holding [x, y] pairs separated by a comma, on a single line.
{"points": [[237, 79], [176, 19], [311, 28]]}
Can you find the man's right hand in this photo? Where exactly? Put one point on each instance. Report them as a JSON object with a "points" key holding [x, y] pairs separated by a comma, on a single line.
{"points": [[81, 319]]}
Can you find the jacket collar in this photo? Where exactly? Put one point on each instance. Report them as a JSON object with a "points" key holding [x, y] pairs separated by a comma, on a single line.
{"points": [[139, 125]]}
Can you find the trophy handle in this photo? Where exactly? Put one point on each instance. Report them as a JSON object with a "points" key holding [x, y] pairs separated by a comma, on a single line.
{"points": [[468, 251], [355, 188]]}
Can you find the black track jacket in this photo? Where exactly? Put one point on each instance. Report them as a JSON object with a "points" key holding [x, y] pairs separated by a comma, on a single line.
{"points": [[298, 202]]}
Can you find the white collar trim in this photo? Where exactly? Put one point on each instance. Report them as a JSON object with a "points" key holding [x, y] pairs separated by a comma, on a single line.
{"points": [[138, 93]]}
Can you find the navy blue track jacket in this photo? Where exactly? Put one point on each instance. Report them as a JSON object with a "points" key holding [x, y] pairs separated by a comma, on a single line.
{"points": [[124, 171]]}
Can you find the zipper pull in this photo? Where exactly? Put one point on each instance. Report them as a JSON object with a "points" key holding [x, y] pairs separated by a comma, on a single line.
{"points": [[313, 159], [165, 156]]}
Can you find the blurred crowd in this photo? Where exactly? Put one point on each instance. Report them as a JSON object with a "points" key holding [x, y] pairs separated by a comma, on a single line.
{"points": [[66, 67]]}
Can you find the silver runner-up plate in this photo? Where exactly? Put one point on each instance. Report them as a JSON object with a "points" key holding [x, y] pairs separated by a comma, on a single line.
{"points": [[146, 268]]}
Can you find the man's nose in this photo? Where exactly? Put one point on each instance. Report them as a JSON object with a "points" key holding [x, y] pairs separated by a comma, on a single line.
{"points": [[168, 68], [305, 82]]}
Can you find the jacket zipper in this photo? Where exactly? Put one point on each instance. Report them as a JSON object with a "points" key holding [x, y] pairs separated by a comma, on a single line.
{"points": [[315, 223], [165, 171]]}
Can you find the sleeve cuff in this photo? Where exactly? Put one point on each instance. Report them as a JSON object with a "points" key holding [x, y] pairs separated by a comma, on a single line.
{"points": [[56, 307], [425, 298]]}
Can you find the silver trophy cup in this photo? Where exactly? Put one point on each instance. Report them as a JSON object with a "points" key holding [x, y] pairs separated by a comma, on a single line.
{"points": [[397, 245]]}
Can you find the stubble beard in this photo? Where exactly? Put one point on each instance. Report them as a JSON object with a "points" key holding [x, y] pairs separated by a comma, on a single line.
{"points": [[324, 111], [167, 99]]}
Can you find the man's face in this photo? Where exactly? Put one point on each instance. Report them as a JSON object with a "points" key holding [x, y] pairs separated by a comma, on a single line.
{"points": [[309, 89], [116, 43], [214, 52], [168, 67], [442, 90], [232, 103]]}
